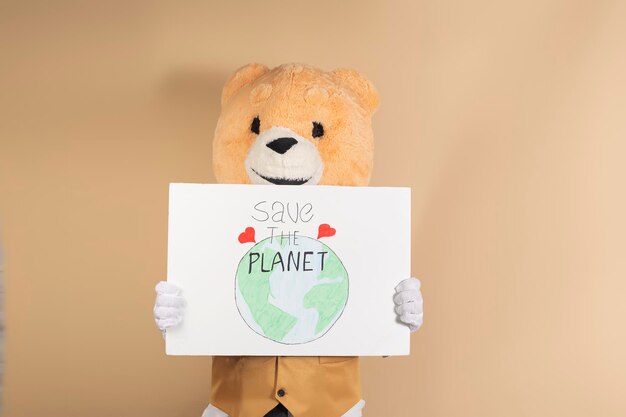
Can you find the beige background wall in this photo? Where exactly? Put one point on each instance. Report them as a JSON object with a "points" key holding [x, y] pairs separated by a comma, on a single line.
{"points": [[508, 120]]}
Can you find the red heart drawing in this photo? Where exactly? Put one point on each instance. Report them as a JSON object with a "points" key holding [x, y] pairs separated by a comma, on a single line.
{"points": [[247, 235], [325, 230]]}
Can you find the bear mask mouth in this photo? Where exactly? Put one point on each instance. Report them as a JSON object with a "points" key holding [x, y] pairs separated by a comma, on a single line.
{"points": [[296, 161], [282, 181]]}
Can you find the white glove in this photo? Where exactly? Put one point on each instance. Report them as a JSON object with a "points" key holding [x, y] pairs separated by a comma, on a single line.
{"points": [[168, 306], [409, 303]]}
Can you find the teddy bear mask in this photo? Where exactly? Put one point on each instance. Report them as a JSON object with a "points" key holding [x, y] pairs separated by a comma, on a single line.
{"points": [[295, 125]]}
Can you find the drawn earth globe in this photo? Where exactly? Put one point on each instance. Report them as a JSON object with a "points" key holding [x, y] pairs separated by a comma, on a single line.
{"points": [[291, 291]]}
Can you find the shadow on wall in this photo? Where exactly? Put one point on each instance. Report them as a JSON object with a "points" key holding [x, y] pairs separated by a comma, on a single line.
{"points": [[190, 99], [195, 88]]}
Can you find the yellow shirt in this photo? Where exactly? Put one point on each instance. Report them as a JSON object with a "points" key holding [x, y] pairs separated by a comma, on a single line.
{"points": [[250, 386]]}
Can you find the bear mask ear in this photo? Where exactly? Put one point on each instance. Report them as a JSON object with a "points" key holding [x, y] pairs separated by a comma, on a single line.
{"points": [[360, 86], [243, 76]]}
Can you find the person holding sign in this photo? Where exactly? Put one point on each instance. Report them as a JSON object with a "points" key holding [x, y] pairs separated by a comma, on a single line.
{"points": [[291, 125]]}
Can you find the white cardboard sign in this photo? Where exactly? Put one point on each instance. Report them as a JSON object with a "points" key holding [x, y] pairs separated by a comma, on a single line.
{"points": [[287, 270]]}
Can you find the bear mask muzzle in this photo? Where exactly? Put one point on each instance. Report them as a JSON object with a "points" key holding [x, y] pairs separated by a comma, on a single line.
{"points": [[280, 156]]}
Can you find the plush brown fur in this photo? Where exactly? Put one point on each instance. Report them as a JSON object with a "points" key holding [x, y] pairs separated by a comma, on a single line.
{"points": [[295, 96]]}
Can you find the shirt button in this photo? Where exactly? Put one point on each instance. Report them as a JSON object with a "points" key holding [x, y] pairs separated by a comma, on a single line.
{"points": [[281, 392]]}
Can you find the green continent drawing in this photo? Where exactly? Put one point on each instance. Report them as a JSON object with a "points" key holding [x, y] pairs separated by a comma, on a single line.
{"points": [[291, 291]]}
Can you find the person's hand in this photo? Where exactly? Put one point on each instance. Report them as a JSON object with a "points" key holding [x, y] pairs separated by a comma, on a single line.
{"points": [[168, 306], [409, 303]]}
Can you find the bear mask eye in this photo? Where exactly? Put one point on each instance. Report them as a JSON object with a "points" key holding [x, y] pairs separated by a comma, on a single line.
{"points": [[256, 125], [318, 130]]}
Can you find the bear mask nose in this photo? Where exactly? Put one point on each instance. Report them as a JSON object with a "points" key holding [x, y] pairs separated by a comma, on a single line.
{"points": [[281, 145]]}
